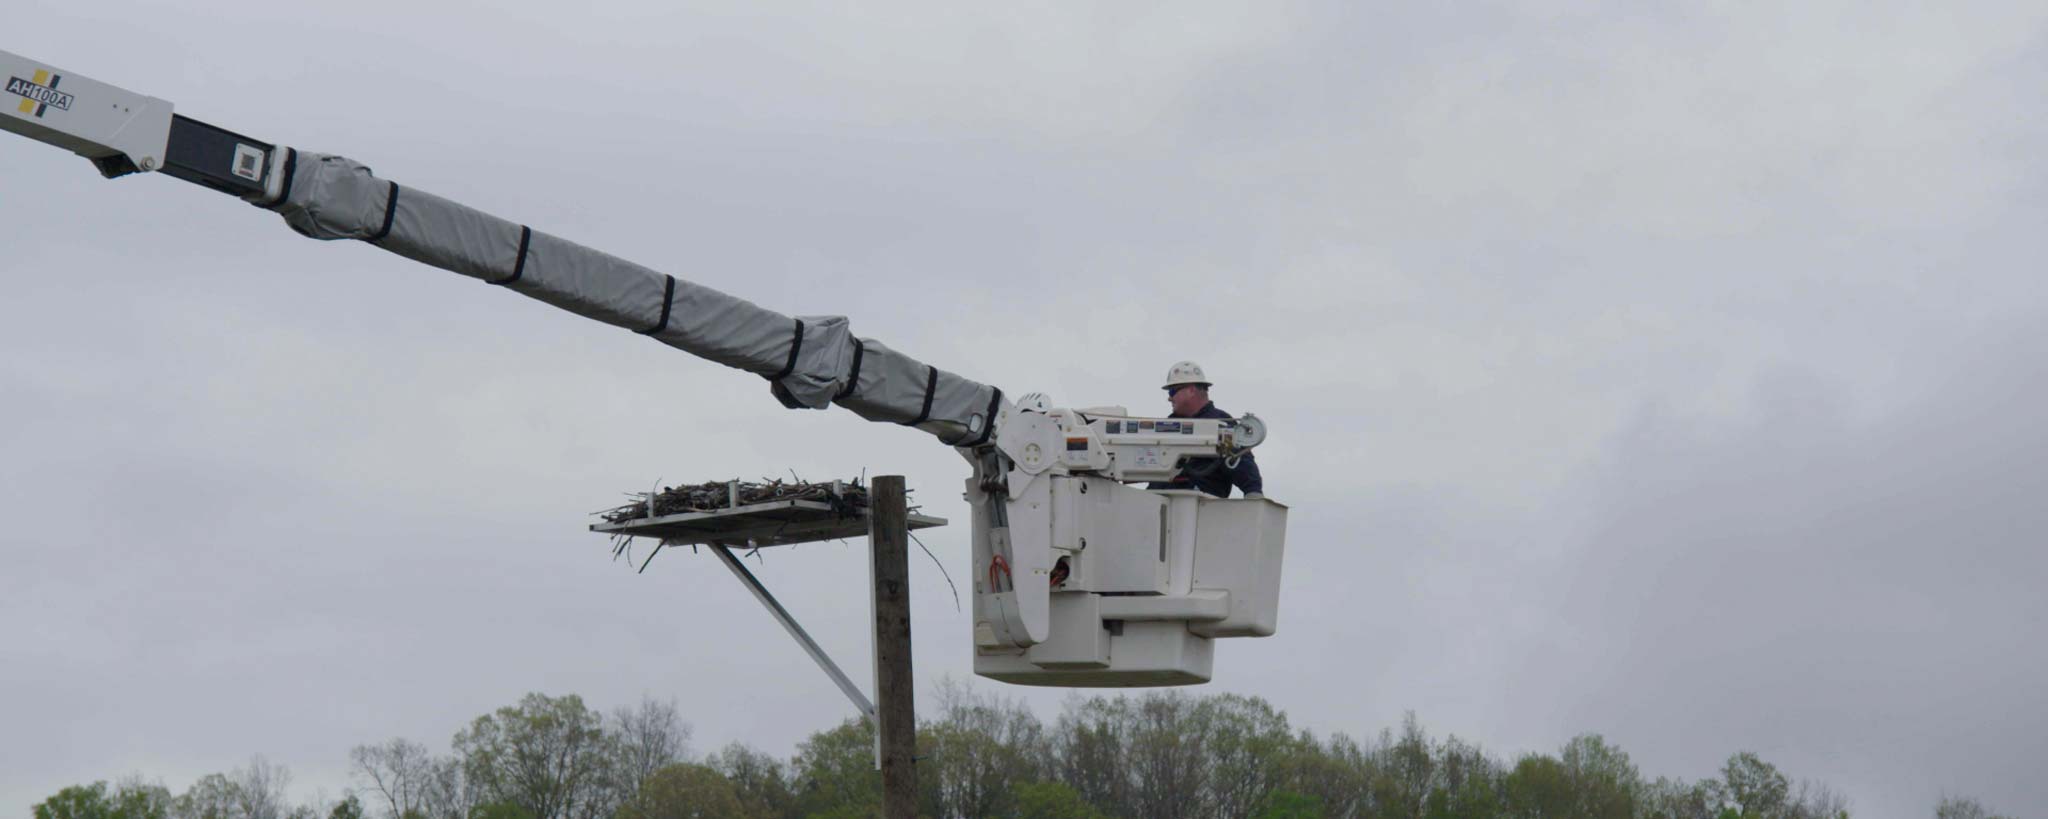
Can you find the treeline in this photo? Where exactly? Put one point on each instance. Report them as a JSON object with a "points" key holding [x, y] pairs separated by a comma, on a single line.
{"points": [[1152, 755]]}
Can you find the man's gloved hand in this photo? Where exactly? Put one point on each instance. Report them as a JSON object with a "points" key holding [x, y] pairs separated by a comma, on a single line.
{"points": [[1254, 496]]}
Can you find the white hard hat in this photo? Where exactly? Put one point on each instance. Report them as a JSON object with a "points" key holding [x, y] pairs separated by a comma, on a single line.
{"points": [[1186, 372], [1037, 402]]}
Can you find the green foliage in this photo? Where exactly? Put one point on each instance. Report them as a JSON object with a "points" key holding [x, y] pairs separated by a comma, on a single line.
{"points": [[1672, 799], [1163, 753], [835, 772], [500, 810], [1469, 783], [1290, 805], [1170, 754], [77, 802], [1333, 773], [1245, 737], [1088, 751], [1604, 783], [212, 797], [129, 800], [685, 791], [1539, 786], [550, 756], [1409, 769], [134, 799], [976, 753], [1955, 807], [760, 781], [348, 808], [1051, 800], [845, 812], [1753, 788]]}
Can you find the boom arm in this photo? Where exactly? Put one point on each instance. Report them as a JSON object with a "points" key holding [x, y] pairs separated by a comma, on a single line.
{"points": [[810, 361], [1109, 442], [1167, 572]]}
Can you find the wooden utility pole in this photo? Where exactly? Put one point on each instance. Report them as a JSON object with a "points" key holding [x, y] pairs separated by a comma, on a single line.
{"points": [[895, 702]]}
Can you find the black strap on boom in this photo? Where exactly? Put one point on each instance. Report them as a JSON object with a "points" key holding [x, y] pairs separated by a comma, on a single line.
{"points": [[796, 344], [853, 376], [931, 385], [519, 263], [390, 212], [668, 300]]}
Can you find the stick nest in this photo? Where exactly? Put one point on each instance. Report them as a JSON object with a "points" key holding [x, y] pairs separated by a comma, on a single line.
{"points": [[851, 498]]}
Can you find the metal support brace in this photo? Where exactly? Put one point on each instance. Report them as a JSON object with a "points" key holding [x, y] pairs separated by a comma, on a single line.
{"points": [[739, 570]]}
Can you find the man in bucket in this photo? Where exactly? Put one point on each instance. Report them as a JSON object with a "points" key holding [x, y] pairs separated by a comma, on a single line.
{"points": [[1187, 389]]}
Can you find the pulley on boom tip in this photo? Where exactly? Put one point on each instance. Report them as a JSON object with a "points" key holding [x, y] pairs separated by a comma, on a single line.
{"points": [[1250, 431]]}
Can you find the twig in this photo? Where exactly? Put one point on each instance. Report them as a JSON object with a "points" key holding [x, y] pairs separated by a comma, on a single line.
{"points": [[650, 556], [942, 569]]}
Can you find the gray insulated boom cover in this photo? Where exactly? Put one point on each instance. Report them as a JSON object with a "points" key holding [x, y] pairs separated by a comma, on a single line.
{"points": [[809, 361]]}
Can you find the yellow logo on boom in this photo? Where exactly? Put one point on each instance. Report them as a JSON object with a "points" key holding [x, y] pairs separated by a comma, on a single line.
{"points": [[39, 94]]}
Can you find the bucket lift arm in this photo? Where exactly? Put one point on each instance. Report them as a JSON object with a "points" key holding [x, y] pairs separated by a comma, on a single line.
{"points": [[809, 361], [1031, 464]]}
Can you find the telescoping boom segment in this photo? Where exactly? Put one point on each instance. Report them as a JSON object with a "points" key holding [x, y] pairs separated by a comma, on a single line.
{"points": [[1125, 588]]}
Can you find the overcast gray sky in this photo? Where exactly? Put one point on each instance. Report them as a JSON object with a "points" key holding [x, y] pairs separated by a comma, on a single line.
{"points": [[1669, 372]]}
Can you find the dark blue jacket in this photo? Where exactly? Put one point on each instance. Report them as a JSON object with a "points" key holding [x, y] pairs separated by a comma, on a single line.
{"points": [[1209, 474]]}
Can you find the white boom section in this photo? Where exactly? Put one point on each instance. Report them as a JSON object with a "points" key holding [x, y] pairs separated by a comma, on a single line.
{"points": [[1108, 441], [119, 130]]}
